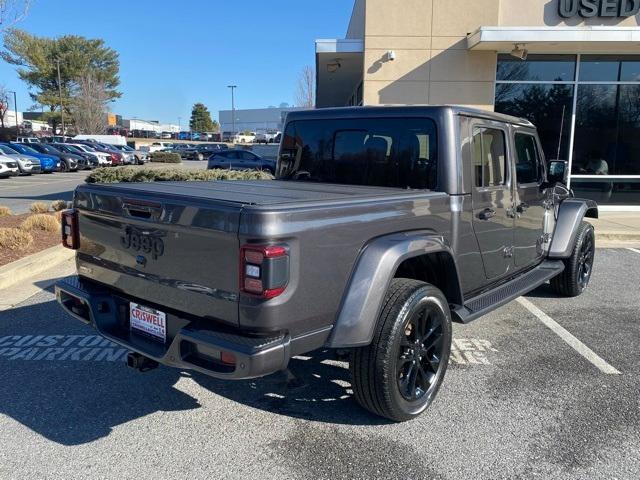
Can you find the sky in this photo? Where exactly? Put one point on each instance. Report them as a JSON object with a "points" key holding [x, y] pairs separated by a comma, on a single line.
{"points": [[174, 54]]}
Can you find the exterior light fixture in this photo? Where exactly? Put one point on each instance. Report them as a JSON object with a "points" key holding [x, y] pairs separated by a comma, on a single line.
{"points": [[519, 51]]}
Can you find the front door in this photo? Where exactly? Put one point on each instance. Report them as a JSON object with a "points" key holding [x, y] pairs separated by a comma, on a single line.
{"points": [[530, 202], [492, 198]]}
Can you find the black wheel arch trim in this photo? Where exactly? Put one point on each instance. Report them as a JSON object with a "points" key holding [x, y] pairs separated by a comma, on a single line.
{"points": [[570, 215], [373, 272]]}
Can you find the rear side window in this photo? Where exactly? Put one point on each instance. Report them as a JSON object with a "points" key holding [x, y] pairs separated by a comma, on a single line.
{"points": [[528, 163], [489, 157], [381, 152]]}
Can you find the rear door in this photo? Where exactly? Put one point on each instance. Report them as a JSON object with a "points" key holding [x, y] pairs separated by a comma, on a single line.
{"points": [[492, 197], [530, 201]]}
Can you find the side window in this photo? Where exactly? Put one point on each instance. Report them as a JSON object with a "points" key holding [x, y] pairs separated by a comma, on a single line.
{"points": [[528, 165], [248, 156], [489, 157]]}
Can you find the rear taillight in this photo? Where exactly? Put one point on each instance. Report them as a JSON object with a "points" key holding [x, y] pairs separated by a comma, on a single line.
{"points": [[114, 159], [264, 270], [70, 230]]}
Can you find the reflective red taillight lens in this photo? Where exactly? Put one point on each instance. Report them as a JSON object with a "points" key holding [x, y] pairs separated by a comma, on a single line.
{"points": [[70, 230], [264, 270]]}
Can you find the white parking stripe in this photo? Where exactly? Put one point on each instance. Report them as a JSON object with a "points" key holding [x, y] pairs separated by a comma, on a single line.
{"points": [[634, 250], [576, 344]]}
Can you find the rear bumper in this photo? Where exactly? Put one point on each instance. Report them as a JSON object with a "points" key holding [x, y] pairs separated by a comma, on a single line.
{"points": [[191, 344]]}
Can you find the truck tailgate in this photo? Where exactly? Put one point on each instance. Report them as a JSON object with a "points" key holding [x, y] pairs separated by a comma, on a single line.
{"points": [[172, 252]]}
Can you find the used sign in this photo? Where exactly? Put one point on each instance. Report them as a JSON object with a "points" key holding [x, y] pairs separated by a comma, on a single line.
{"points": [[598, 8]]}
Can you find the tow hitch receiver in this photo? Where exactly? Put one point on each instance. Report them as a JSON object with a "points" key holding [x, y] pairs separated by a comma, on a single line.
{"points": [[140, 362]]}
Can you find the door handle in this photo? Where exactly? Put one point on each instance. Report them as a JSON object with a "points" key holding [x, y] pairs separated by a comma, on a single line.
{"points": [[523, 207], [486, 214]]}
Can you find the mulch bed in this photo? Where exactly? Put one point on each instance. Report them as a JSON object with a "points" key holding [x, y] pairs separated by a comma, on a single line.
{"points": [[41, 240]]}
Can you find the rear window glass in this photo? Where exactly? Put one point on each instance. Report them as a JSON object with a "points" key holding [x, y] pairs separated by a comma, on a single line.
{"points": [[382, 152]]}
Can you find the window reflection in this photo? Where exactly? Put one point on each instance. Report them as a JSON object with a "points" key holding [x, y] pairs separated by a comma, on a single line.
{"points": [[607, 137], [548, 107], [537, 68], [608, 192]]}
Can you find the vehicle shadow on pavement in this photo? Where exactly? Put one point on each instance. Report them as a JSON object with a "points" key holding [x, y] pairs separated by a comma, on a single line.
{"points": [[55, 384], [76, 400], [315, 387]]}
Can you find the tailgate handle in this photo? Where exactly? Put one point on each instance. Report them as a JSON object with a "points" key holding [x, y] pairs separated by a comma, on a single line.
{"points": [[142, 211]]}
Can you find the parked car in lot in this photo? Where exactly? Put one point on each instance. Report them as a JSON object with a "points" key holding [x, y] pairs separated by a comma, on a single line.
{"points": [[137, 157], [26, 164], [89, 160], [247, 137], [384, 225], [240, 160], [105, 159], [8, 167], [69, 162], [266, 137], [47, 163], [27, 140], [117, 158], [202, 151]]}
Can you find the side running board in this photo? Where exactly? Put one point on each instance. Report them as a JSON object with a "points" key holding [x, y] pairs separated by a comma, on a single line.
{"points": [[486, 302]]}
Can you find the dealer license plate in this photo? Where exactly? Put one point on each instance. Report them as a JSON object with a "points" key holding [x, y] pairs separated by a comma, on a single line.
{"points": [[148, 320]]}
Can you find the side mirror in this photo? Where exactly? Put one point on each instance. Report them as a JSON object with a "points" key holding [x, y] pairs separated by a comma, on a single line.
{"points": [[557, 172]]}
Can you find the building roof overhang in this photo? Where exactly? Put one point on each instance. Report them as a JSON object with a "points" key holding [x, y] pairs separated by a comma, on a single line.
{"points": [[339, 70], [562, 39]]}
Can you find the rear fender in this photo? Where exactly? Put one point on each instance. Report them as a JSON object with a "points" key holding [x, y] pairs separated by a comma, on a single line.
{"points": [[370, 280], [570, 215]]}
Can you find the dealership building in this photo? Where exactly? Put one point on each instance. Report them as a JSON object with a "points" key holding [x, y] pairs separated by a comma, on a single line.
{"points": [[570, 66]]}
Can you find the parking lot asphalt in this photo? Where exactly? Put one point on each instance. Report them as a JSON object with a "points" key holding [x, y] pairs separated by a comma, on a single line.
{"points": [[518, 401], [18, 193]]}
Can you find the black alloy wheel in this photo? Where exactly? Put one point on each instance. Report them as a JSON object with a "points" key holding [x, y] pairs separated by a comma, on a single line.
{"points": [[420, 352], [578, 268]]}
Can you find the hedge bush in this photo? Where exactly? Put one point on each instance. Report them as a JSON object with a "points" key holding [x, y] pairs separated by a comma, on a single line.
{"points": [[127, 174], [166, 157]]}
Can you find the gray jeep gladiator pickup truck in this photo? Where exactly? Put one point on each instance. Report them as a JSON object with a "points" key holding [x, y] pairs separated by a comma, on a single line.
{"points": [[383, 225]]}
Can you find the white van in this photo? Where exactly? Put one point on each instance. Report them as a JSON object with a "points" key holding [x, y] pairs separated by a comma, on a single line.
{"points": [[108, 139]]}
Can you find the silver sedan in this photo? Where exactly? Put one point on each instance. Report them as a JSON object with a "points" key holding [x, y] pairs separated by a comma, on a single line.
{"points": [[26, 163]]}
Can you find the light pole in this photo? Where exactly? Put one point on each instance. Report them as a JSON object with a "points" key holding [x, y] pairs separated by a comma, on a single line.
{"points": [[15, 105], [60, 92], [233, 108]]}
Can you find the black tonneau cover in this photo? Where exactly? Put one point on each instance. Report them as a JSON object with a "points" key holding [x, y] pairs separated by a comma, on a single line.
{"points": [[263, 193]]}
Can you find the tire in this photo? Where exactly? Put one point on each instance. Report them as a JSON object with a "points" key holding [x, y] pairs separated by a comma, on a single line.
{"points": [[579, 266], [383, 371], [64, 167]]}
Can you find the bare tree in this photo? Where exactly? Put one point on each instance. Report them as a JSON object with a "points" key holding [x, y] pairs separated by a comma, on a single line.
{"points": [[12, 11], [4, 104], [89, 105], [305, 93]]}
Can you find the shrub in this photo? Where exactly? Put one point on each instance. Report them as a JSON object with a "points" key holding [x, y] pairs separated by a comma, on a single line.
{"points": [[4, 211], [41, 221], [39, 207], [125, 175], [15, 239], [58, 205], [166, 157]]}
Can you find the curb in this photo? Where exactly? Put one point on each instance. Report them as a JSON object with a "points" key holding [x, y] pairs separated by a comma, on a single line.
{"points": [[618, 236], [32, 265]]}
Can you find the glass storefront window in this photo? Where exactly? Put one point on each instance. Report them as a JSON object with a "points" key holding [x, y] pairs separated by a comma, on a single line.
{"points": [[608, 191], [607, 134], [607, 68], [537, 68], [548, 106]]}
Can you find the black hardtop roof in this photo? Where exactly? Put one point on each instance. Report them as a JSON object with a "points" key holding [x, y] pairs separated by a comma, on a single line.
{"points": [[402, 111]]}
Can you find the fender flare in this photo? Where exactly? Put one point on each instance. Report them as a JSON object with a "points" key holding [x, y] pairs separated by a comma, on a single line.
{"points": [[570, 215], [370, 280]]}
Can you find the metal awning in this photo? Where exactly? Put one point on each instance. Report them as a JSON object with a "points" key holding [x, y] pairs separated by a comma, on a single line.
{"points": [[339, 70], [562, 39]]}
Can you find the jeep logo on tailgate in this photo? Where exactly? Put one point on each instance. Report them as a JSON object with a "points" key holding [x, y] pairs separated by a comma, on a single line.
{"points": [[143, 241]]}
